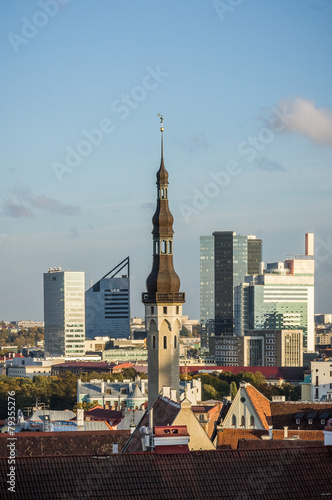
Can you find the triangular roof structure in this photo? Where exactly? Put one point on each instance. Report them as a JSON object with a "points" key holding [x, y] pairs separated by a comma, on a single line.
{"points": [[136, 393]]}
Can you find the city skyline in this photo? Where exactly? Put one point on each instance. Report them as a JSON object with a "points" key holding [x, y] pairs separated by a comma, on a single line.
{"points": [[245, 93]]}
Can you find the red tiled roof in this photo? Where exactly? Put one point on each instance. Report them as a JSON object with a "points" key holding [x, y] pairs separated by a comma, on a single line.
{"points": [[270, 444], [283, 414], [29, 444], [261, 404], [268, 474], [269, 372], [83, 364], [231, 437], [112, 417]]}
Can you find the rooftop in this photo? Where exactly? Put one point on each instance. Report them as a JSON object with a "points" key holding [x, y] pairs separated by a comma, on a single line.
{"points": [[269, 474]]}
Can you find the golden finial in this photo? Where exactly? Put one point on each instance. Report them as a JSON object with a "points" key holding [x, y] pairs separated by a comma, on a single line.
{"points": [[161, 121]]}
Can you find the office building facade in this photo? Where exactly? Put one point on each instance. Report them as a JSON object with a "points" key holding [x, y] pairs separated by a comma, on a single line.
{"points": [[280, 298], [259, 348], [225, 259], [64, 313], [206, 288], [107, 304]]}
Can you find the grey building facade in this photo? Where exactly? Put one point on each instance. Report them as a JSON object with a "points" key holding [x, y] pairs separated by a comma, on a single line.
{"points": [[107, 304]]}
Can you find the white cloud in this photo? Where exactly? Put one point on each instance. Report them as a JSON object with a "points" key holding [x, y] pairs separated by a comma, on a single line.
{"points": [[308, 120]]}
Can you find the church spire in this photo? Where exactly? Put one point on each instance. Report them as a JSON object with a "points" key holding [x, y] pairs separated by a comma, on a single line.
{"points": [[163, 278], [162, 300]]}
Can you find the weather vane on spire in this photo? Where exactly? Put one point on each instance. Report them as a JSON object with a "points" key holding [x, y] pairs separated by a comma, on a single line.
{"points": [[161, 121]]}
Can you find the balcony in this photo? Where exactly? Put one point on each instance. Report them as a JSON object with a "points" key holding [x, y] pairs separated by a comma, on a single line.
{"points": [[163, 298]]}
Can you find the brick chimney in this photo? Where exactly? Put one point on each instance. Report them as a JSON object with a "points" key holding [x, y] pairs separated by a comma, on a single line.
{"points": [[171, 439]]}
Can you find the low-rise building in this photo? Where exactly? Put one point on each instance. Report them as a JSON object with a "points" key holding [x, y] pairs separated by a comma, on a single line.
{"points": [[113, 395], [259, 348], [321, 379], [251, 412]]}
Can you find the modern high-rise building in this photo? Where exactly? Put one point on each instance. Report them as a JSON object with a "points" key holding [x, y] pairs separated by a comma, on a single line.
{"points": [[107, 304], [64, 313], [280, 298], [206, 288], [225, 259], [162, 300]]}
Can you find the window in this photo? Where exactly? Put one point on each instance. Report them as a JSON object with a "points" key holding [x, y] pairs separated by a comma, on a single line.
{"points": [[165, 309], [322, 421], [174, 341], [252, 421], [310, 421], [243, 421], [165, 342], [153, 341], [298, 421], [177, 310], [152, 310], [234, 420]]}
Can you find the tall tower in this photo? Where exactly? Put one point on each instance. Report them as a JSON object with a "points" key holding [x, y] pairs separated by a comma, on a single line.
{"points": [[163, 301], [64, 313]]}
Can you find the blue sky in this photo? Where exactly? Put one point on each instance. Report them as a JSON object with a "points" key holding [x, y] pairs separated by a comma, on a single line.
{"points": [[245, 90]]}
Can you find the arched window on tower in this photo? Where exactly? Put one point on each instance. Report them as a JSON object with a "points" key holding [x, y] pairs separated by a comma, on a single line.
{"points": [[170, 247], [164, 246], [174, 341], [165, 342], [153, 341], [162, 193]]}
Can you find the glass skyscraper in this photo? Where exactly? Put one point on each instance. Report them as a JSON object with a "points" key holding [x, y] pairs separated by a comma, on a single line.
{"points": [[107, 305], [225, 259], [206, 288], [234, 254]]}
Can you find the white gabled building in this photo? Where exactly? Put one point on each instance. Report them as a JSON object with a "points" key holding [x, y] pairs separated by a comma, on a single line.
{"points": [[321, 379]]}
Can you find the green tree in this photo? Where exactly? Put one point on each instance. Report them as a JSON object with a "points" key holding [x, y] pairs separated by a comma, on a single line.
{"points": [[233, 390], [208, 392]]}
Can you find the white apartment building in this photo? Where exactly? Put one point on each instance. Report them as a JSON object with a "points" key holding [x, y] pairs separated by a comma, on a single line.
{"points": [[282, 297], [321, 379], [64, 313]]}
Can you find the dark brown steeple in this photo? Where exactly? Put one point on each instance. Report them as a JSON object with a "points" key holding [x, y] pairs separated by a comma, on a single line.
{"points": [[163, 278]]}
